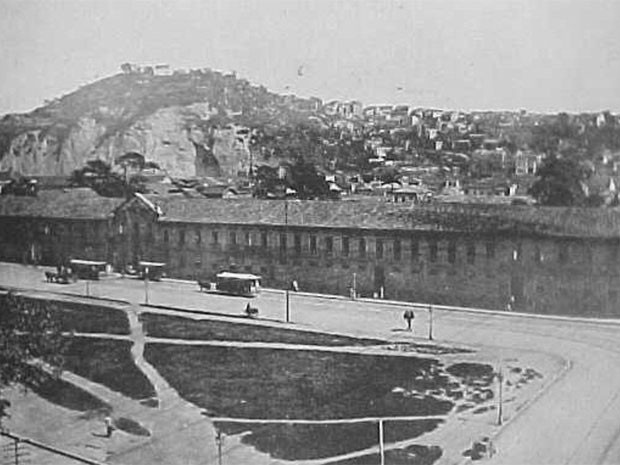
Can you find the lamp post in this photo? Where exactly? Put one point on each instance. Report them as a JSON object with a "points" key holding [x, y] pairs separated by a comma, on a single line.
{"points": [[146, 285], [381, 447], [430, 322], [288, 297], [500, 395], [218, 441]]}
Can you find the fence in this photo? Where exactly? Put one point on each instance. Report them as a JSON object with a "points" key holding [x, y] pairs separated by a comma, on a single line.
{"points": [[19, 450]]}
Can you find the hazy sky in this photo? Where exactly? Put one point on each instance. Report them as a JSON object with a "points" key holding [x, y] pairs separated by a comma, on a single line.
{"points": [[543, 55]]}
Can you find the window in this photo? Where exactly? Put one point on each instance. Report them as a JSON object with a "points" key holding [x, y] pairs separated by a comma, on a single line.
{"points": [[471, 253], [282, 242], [313, 245], [490, 246], [329, 245], [233, 238], [248, 239], [415, 249], [198, 236], [214, 237], [362, 247], [166, 236], [397, 249], [432, 251], [379, 248], [451, 251], [345, 246], [181, 237], [297, 240], [263, 240]]}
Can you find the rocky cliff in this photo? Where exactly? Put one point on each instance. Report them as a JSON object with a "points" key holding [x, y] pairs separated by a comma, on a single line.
{"points": [[191, 124]]}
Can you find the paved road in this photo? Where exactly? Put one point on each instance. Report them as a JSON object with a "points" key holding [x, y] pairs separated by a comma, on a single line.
{"points": [[575, 421]]}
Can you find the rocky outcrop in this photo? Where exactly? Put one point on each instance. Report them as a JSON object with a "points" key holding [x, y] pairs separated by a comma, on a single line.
{"points": [[176, 138], [191, 124]]}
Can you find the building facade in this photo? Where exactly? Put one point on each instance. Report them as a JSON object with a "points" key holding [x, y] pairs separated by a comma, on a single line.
{"points": [[549, 261], [333, 247]]}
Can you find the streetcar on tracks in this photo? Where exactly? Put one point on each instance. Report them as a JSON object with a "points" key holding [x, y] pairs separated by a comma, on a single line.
{"points": [[226, 282]]}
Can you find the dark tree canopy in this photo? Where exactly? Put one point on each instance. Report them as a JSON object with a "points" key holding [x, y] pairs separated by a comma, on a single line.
{"points": [[28, 333], [98, 175], [307, 182], [560, 182]]}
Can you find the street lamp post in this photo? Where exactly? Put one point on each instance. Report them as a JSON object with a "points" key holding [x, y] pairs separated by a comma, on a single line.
{"points": [[381, 441], [286, 273], [146, 286], [218, 441], [430, 322], [500, 394]]}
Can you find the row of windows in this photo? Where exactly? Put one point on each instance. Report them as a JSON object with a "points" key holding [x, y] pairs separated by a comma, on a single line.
{"points": [[248, 239]]}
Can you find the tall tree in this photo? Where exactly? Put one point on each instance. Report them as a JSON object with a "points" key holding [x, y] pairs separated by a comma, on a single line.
{"points": [[560, 182], [28, 335], [98, 175]]}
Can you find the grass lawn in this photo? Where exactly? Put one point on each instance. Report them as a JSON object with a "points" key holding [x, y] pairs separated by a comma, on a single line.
{"points": [[266, 383], [166, 326], [412, 455], [86, 318], [107, 362]]}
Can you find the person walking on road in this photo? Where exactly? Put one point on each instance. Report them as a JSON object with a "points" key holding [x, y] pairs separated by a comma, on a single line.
{"points": [[409, 316], [109, 427]]}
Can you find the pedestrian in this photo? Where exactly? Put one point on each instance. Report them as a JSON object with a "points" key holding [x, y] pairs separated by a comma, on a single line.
{"points": [[409, 316], [109, 427], [294, 286]]}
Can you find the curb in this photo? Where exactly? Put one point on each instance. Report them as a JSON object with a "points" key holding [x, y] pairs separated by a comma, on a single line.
{"points": [[568, 365], [450, 308], [25, 290], [425, 306], [211, 313]]}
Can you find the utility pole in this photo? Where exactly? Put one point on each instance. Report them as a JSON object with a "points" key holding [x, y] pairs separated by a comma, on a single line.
{"points": [[287, 284], [218, 441], [381, 448], [146, 285], [430, 322], [500, 394]]}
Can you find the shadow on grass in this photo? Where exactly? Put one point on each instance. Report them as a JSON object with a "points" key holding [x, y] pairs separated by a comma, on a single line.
{"points": [[65, 394]]}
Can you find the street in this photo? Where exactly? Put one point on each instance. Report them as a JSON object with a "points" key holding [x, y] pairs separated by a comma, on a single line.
{"points": [[573, 421]]}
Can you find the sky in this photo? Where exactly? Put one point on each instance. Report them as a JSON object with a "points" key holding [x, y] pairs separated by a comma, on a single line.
{"points": [[539, 55]]}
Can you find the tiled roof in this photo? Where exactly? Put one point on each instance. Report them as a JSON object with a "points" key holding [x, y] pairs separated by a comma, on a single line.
{"points": [[80, 203], [378, 214]]}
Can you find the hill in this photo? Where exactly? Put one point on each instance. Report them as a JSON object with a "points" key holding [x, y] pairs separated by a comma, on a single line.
{"points": [[191, 123]]}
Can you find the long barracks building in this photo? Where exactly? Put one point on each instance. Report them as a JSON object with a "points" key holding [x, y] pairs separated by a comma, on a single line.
{"points": [[548, 260]]}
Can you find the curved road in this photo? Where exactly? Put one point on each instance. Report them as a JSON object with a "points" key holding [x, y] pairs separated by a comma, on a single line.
{"points": [[576, 420]]}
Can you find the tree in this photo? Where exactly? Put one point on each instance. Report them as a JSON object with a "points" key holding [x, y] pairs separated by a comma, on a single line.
{"points": [[307, 182], [98, 175], [28, 335], [560, 182], [132, 160]]}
